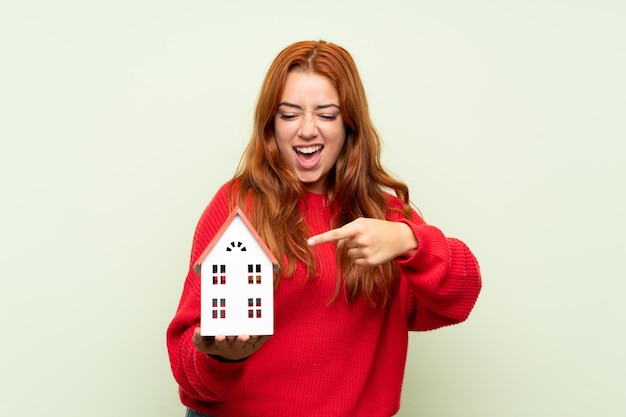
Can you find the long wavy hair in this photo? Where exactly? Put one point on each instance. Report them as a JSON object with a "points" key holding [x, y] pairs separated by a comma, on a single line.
{"points": [[270, 191]]}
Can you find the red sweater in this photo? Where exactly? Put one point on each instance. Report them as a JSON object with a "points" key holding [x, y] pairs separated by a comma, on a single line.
{"points": [[334, 360]]}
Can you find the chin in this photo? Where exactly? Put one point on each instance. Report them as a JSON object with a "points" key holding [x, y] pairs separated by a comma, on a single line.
{"points": [[309, 182]]}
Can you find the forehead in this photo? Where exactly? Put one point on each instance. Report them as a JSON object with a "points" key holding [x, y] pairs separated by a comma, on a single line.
{"points": [[309, 88]]}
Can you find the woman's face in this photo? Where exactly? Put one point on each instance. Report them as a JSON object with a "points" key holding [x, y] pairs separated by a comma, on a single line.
{"points": [[308, 127]]}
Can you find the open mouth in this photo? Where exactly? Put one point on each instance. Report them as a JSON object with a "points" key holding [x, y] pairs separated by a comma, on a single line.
{"points": [[308, 155], [308, 150]]}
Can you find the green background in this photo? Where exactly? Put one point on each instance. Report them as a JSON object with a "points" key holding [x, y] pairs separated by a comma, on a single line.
{"points": [[120, 119]]}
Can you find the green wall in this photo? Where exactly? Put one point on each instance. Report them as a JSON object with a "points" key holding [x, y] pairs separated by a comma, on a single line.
{"points": [[119, 120]]}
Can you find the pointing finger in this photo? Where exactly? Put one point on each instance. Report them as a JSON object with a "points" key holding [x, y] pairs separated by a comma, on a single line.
{"points": [[331, 236]]}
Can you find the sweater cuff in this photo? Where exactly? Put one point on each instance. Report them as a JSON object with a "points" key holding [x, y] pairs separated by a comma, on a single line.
{"points": [[215, 371], [432, 248]]}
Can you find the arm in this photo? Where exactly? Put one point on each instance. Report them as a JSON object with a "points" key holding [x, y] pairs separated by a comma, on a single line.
{"points": [[440, 280], [439, 276], [199, 374]]}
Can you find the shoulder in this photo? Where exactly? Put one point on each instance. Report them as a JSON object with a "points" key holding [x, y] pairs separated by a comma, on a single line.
{"points": [[219, 206], [226, 193], [393, 202], [211, 219], [395, 207], [395, 210]]}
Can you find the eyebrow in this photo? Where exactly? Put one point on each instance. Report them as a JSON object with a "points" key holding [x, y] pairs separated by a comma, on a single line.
{"points": [[320, 107]]}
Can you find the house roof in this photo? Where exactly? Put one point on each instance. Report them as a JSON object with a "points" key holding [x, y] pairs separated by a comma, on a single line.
{"points": [[236, 212]]}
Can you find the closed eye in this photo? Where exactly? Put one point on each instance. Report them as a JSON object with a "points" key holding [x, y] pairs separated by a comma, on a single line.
{"points": [[328, 117], [288, 116]]}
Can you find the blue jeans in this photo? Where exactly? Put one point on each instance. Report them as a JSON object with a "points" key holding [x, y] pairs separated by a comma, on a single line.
{"points": [[194, 413]]}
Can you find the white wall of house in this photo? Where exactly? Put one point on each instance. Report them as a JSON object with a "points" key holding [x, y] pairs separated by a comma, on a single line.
{"points": [[226, 297]]}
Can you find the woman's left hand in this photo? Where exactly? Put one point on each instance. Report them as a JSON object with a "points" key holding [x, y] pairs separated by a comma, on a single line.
{"points": [[371, 242]]}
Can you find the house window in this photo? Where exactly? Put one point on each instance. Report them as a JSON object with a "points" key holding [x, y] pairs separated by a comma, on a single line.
{"points": [[218, 311], [254, 273], [235, 245], [219, 274], [251, 311]]}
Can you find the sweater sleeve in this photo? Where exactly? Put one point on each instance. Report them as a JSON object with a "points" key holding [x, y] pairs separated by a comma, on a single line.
{"points": [[440, 281], [200, 376]]}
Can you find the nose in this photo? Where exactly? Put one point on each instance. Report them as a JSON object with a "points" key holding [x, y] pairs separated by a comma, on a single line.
{"points": [[308, 127]]}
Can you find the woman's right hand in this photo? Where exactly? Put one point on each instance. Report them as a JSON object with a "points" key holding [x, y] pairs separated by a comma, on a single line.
{"points": [[232, 348]]}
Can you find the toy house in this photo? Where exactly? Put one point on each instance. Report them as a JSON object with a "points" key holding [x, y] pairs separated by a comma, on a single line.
{"points": [[236, 281]]}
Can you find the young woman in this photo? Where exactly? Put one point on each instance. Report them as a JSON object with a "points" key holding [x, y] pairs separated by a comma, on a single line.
{"points": [[359, 267]]}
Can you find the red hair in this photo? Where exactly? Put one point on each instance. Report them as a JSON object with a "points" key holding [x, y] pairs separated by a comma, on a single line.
{"points": [[270, 190]]}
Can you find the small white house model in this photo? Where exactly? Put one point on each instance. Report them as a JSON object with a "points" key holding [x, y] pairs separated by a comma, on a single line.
{"points": [[237, 286]]}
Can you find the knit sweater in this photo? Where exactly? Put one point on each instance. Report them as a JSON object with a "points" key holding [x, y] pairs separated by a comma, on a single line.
{"points": [[337, 360]]}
